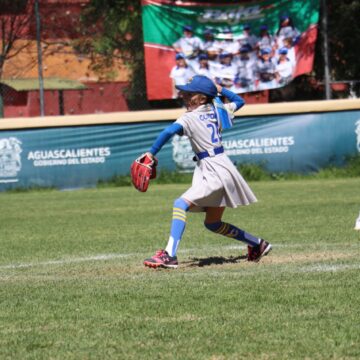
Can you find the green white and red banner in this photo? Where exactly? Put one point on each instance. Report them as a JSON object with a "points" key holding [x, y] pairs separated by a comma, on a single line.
{"points": [[164, 22]]}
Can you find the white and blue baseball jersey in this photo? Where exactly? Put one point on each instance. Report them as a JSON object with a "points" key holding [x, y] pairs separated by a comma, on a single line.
{"points": [[189, 45], [181, 75], [265, 73], [285, 70], [216, 181]]}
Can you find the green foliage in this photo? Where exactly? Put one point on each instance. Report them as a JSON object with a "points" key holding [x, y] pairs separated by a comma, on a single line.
{"points": [[251, 172], [351, 169], [117, 26], [258, 172], [163, 177], [343, 39], [31, 189], [115, 181], [173, 177], [254, 172], [113, 30]]}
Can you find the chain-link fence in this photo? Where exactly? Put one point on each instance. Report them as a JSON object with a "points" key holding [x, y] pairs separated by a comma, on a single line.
{"points": [[92, 60]]}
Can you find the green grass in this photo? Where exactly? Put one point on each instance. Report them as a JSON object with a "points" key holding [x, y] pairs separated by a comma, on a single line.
{"points": [[59, 299]]}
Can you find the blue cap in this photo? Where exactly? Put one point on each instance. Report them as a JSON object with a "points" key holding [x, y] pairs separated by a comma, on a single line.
{"points": [[237, 80], [264, 27], [283, 51], [284, 16], [246, 27], [188, 28], [179, 56], [245, 48], [199, 84], [241, 80], [224, 54], [265, 51], [203, 57], [208, 31]]}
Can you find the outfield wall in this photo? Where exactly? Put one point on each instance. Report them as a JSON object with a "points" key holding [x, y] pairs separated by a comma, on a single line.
{"points": [[78, 151]]}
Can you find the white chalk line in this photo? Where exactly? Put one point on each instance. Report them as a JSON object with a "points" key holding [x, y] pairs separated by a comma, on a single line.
{"points": [[75, 260], [113, 256], [328, 267], [100, 257]]}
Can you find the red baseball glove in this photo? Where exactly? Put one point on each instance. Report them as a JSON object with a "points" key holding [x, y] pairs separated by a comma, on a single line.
{"points": [[142, 170]]}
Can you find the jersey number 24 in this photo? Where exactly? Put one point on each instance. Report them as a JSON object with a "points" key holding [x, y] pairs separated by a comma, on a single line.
{"points": [[215, 134]]}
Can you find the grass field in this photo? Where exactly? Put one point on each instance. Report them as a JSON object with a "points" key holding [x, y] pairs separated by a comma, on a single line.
{"points": [[73, 285]]}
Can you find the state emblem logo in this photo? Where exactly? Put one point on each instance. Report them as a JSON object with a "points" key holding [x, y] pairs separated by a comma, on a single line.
{"points": [[10, 159]]}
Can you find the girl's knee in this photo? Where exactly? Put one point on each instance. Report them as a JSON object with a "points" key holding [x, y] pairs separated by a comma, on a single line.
{"points": [[182, 204], [214, 214], [214, 226]]}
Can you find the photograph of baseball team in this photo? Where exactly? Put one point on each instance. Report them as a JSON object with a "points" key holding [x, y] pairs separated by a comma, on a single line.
{"points": [[255, 60]]}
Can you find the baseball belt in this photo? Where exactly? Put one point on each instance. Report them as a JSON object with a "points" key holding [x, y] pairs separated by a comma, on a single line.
{"points": [[204, 154]]}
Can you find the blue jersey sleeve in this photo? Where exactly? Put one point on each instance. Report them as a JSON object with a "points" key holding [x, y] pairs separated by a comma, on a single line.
{"points": [[232, 97], [164, 136]]}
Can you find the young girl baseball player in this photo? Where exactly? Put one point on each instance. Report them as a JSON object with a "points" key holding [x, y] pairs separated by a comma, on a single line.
{"points": [[216, 182]]}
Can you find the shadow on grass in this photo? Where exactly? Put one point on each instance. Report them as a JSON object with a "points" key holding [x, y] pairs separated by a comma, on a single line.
{"points": [[214, 260]]}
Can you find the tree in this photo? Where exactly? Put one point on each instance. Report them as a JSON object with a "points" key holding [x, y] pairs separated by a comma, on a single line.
{"points": [[344, 39], [15, 19], [113, 31]]}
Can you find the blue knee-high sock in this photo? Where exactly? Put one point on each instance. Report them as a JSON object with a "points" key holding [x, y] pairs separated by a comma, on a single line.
{"points": [[233, 232], [177, 225]]}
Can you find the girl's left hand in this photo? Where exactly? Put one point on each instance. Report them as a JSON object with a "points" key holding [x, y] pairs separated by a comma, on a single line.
{"points": [[219, 88]]}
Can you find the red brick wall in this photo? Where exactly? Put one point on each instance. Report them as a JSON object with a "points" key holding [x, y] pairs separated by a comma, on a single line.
{"points": [[97, 98]]}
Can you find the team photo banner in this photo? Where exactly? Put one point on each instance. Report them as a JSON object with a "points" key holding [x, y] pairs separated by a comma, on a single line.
{"points": [[244, 46]]}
